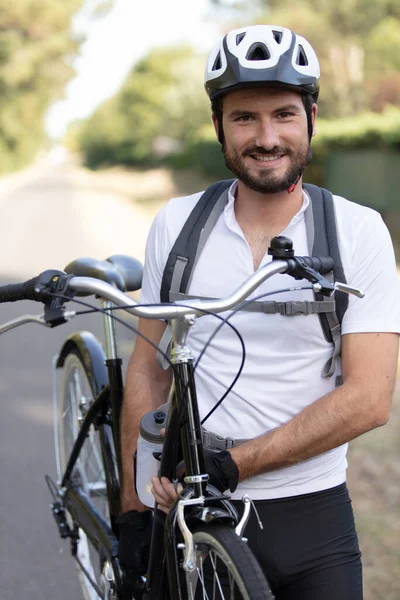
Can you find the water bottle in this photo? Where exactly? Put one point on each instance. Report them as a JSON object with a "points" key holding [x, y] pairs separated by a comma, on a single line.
{"points": [[150, 443]]}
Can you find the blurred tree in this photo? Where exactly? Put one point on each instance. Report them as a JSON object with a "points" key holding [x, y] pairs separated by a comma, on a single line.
{"points": [[36, 51], [160, 108]]}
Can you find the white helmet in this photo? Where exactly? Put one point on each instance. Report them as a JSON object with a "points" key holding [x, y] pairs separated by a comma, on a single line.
{"points": [[262, 54]]}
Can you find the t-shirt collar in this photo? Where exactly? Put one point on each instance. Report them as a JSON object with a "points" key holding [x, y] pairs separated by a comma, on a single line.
{"points": [[229, 211]]}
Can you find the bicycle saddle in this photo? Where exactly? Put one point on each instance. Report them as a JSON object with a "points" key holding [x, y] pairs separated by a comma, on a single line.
{"points": [[125, 272]]}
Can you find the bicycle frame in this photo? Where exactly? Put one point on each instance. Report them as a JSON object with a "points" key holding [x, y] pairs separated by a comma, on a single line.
{"points": [[183, 419]]}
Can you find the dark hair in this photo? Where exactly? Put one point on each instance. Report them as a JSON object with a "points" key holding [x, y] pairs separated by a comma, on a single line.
{"points": [[308, 102], [216, 109]]}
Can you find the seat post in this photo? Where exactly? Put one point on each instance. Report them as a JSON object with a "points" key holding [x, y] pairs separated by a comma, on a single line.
{"points": [[116, 391], [110, 333]]}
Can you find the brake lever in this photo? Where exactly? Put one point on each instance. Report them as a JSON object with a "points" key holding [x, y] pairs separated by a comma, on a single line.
{"points": [[348, 289], [300, 270]]}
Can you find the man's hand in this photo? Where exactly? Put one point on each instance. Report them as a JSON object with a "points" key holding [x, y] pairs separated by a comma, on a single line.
{"points": [[222, 471], [165, 492]]}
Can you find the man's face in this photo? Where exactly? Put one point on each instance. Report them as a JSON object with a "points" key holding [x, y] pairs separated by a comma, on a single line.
{"points": [[266, 140]]}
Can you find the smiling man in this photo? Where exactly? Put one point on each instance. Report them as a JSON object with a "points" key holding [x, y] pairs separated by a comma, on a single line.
{"points": [[297, 403]]}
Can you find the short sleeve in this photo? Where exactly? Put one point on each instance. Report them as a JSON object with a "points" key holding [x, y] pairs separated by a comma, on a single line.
{"points": [[155, 258], [162, 235], [372, 268]]}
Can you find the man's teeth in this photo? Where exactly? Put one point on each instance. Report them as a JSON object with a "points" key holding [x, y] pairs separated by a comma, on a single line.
{"points": [[264, 158]]}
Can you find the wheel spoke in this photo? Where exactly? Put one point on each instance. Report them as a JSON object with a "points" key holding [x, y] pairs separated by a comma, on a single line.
{"points": [[75, 400], [95, 450], [216, 577], [200, 572]]}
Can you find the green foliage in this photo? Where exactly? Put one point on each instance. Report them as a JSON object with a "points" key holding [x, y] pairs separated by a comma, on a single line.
{"points": [[162, 103], [367, 130], [36, 48], [384, 39]]}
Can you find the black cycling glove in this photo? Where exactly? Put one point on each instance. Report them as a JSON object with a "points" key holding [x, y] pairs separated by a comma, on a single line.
{"points": [[134, 540], [222, 470]]}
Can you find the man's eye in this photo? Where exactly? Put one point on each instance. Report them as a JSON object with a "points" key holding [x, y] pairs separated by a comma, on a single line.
{"points": [[244, 118], [285, 115]]}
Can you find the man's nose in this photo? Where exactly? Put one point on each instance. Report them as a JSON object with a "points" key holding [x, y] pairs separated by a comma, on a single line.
{"points": [[267, 135]]}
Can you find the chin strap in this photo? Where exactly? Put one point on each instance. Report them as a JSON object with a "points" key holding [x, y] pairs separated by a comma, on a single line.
{"points": [[292, 187]]}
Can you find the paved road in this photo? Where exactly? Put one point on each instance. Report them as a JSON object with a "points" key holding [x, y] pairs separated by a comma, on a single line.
{"points": [[48, 217], [52, 215]]}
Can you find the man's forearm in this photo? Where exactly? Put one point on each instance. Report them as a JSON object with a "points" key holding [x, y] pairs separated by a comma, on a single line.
{"points": [[332, 420], [142, 394]]}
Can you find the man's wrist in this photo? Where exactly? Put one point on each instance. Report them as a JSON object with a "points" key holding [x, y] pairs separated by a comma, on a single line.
{"points": [[132, 502]]}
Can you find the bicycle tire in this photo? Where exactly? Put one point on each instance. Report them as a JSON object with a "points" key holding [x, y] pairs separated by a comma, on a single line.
{"points": [[74, 398], [225, 568]]}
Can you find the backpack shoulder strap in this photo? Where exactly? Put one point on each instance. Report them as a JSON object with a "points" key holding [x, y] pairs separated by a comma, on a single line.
{"points": [[323, 233], [192, 238], [325, 242]]}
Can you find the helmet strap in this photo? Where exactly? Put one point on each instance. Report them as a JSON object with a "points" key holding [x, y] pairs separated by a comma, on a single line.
{"points": [[292, 187]]}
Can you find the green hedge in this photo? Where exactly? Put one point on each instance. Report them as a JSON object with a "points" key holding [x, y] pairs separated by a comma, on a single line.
{"points": [[367, 130]]}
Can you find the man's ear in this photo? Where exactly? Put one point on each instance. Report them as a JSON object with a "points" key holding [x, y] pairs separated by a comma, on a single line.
{"points": [[314, 112]]}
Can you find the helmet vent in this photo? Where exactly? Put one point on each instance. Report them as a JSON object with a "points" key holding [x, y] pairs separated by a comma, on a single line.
{"points": [[278, 36], [217, 63], [258, 51], [239, 38], [301, 57]]}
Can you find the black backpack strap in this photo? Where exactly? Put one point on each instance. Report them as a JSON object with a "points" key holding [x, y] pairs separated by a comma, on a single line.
{"points": [[186, 251], [326, 238], [325, 243], [191, 239]]}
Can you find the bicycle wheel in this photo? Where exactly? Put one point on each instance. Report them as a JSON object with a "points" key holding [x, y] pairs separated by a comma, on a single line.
{"points": [[225, 568], [74, 399]]}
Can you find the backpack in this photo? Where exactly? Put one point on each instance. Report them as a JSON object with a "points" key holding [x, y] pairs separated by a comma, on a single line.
{"points": [[322, 241]]}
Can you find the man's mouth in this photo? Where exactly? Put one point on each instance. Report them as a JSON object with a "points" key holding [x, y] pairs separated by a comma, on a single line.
{"points": [[266, 158]]}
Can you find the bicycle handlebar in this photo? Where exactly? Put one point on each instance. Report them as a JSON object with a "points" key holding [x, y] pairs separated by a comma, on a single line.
{"points": [[322, 265], [41, 288], [38, 288], [19, 291]]}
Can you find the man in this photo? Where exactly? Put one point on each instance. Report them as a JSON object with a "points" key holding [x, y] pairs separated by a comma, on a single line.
{"points": [[263, 83]]}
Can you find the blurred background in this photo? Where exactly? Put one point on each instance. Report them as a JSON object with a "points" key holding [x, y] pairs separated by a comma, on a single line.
{"points": [[103, 118]]}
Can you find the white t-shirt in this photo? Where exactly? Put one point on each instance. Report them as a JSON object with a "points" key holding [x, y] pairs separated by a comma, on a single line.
{"points": [[285, 356]]}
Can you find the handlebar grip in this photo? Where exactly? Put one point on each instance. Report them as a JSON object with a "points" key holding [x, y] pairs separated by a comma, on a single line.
{"points": [[322, 265], [20, 291]]}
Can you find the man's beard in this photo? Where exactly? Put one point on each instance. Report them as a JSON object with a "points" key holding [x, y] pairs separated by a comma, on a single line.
{"points": [[265, 181]]}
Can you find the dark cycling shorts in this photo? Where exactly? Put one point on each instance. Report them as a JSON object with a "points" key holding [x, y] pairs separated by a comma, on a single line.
{"points": [[308, 548]]}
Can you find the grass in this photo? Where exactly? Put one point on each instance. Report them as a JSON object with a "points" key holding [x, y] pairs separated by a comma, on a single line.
{"points": [[374, 484]]}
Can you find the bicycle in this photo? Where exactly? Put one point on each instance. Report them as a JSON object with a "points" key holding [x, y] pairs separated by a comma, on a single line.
{"points": [[202, 532]]}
